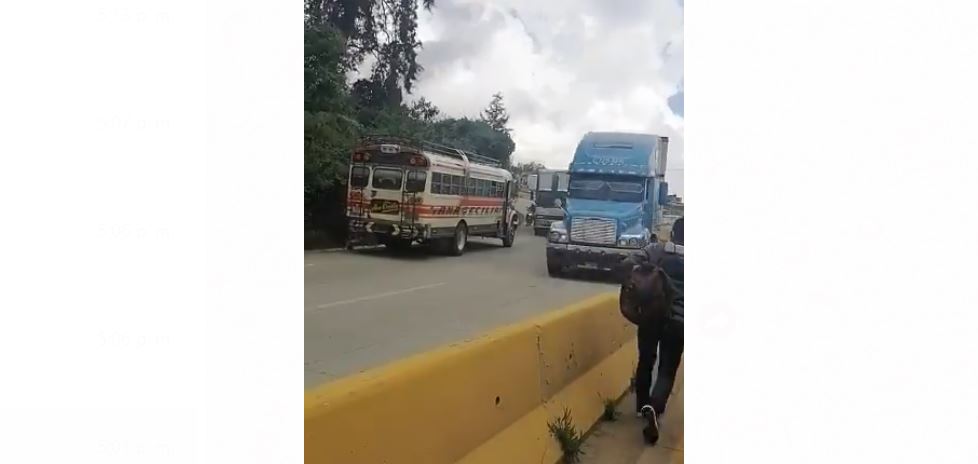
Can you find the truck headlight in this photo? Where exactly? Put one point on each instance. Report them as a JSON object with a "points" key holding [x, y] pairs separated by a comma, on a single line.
{"points": [[558, 233], [632, 241]]}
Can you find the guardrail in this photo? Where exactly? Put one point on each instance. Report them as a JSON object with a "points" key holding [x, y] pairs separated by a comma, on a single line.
{"points": [[486, 400]]}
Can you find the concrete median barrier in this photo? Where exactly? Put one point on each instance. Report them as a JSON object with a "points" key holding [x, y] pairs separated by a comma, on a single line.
{"points": [[484, 400]]}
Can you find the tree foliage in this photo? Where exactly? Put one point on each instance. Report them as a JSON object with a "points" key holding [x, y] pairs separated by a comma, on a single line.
{"points": [[496, 115], [473, 135], [325, 82], [385, 30], [527, 167]]}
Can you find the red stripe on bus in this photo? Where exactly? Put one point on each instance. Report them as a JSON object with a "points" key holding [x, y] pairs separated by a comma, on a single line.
{"points": [[485, 201], [353, 202]]}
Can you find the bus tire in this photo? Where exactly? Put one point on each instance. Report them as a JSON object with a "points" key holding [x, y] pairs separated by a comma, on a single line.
{"points": [[510, 236], [459, 240]]}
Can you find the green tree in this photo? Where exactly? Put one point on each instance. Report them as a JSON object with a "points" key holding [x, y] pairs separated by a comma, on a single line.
{"points": [[325, 82], [496, 115], [383, 29], [329, 137], [474, 135], [330, 128], [424, 110], [526, 168]]}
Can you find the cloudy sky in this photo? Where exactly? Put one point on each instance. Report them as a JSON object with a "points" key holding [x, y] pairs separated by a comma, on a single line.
{"points": [[564, 67]]}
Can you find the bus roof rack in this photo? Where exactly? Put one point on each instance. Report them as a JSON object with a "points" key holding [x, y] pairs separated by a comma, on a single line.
{"points": [[433, 147]]}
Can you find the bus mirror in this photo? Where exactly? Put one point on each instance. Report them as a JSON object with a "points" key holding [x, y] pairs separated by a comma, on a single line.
{"points": [[663, 193]]}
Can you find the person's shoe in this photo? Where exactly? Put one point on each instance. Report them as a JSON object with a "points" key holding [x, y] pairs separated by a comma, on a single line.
{"points": [[651, 431]]}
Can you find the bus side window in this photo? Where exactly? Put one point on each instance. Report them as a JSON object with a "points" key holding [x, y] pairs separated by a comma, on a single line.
{"points": [[415, 181], [437, 183], [359, 176], [456, 185]]}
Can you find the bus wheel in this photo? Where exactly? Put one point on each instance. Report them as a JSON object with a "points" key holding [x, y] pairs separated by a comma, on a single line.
{"points": [[458, 242], [510, 236]]}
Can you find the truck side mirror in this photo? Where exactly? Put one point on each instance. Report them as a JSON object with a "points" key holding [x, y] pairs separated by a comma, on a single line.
{"points": [[664, 193]]}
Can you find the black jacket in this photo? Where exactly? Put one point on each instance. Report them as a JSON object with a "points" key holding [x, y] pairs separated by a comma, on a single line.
{"points": [[670, 258]]}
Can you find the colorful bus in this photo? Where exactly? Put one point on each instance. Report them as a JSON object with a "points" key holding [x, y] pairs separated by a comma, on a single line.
{"points": [[403, 191]]}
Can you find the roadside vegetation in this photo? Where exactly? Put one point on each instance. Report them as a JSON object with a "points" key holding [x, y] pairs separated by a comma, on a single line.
{"points": [[568, 437], [610, 412]]}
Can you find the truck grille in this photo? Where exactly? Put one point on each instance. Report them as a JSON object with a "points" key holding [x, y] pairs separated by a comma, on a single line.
{"points": [[597, 231]]}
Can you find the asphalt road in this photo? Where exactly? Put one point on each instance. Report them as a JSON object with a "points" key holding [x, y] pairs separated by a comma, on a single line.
{"points": [[370, 307]]}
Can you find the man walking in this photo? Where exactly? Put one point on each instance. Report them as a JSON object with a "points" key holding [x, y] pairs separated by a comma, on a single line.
{"points": [[652, 298]]}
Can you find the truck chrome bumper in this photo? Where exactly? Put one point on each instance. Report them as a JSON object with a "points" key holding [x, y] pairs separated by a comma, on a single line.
{"points": [[587, 256]]}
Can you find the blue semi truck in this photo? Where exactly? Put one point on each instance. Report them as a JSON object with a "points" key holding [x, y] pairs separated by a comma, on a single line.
{"points": [[614, 204]]}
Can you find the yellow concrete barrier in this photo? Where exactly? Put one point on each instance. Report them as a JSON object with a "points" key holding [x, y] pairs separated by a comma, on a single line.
{"points": [[485, 400]]}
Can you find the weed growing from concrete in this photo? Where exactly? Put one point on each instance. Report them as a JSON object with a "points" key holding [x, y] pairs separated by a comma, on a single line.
{"points": [[570, 440], [610, 413]]}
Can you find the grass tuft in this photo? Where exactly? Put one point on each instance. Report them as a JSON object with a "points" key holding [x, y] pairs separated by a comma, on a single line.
{"points": [[567, 436], [610, 413]]}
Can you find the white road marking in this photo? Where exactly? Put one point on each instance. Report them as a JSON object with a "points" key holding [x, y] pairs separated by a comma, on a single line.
{"points": [[379, 295]]}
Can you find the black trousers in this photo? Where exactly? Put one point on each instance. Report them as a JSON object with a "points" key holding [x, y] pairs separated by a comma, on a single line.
{"points": [[668, 338]]}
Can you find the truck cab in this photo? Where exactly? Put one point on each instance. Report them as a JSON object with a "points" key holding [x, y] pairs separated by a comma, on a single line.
{"points": [[548, 189], [615, 200]]}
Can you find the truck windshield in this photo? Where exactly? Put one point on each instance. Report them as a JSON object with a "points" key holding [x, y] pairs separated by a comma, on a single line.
{"points": [[548, 199], [593, 187]]}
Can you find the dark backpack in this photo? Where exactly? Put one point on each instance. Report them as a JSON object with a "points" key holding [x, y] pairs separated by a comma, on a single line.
{"points": [[672, 264]]}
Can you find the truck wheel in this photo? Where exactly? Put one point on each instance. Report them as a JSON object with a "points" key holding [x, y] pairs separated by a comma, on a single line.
{"points": [[510, 236], [459, 240], [553, 268]]}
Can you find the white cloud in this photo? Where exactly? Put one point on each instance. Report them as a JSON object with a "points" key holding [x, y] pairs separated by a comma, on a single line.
{"points": [[565, 67]]}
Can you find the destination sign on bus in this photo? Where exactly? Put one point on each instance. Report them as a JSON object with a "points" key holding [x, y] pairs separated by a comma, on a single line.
{"points": [[384, 207]]}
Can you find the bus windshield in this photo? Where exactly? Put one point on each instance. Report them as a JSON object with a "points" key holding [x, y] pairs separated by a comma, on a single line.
{"points": [[608, 188]]}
